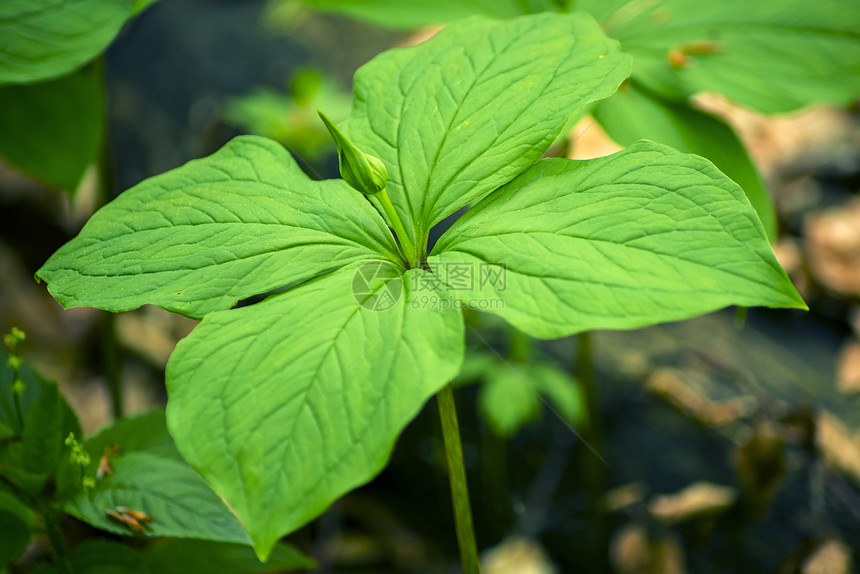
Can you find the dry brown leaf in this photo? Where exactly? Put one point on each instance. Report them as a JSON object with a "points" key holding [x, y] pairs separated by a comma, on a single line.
{"points": [[624, 496], [666, 383], [589, 141], [833, 248], [517, 556], [698, 499], [832, 557], [773, 139]]}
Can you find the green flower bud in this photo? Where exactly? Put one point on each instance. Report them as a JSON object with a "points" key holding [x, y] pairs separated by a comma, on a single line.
{"points": [[12, 338], [362, 171], [18, 387]]}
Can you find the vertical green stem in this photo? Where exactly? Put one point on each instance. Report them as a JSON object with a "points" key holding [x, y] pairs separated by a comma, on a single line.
{"points": [[56, 540], [593, 466], [15, 387], [457, 478], [111, 359], [408, 248], [19, 412], [8, 412], [112, 363]]}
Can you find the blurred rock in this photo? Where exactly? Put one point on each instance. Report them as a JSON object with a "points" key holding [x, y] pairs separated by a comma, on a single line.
{"points": [[839, 446], [833, 248], [633, 552], [517, 556], [832, 557], [854, 320], [760, 464], [153, 332], [790, 257], [698, 499]]}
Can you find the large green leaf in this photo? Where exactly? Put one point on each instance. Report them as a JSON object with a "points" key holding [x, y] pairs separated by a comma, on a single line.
{"points": [[41, 39], [238, 223], [633, 114], [287, 404], [184, 556], [463, 113], [640, 237], [772, 55], [52, 130], [400, 14]]}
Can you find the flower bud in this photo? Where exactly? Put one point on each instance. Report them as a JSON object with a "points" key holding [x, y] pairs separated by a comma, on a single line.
{"points": [[362, 171]]}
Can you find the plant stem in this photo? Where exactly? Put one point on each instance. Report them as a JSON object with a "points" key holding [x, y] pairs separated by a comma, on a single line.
{"points": [[112, 363], [593, 469], [8, 412], [111, 360], [457, 478], [56, 539], [18, 411], [408, 248]]}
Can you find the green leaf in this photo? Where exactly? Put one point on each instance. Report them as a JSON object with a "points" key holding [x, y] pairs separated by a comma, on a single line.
{"points": [[291, 118], [285, 405], [475, 366], [508, 400], [146, 473], [41, 39], [465, 112], [640, 237], [184, 556], [179, 501], [774, 55], [56, 129], [400, 14], [98, 556], [141, 5], [561, 390], [513, 394], [144, 433], [16, 527], [241, 222], [633, 114]]}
